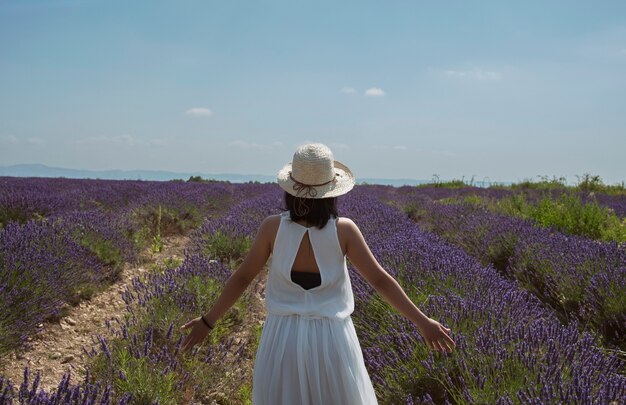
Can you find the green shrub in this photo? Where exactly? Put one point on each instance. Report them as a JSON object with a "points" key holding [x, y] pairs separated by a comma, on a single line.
{"points": [[454, 183], [566, 213], [593, 183], [414, 210], [12, 214], [141, 237], [225, 247], [515, 205], [501, 251], [166, 221], [586, 183], [544, 183], [570, 215], [473, 199]]}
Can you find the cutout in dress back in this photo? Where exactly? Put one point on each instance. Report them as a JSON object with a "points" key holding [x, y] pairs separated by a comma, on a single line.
{"points": [[305, 258]]}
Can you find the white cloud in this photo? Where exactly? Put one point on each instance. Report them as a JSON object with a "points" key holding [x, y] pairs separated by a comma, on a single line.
{"points": [[117, 142], [390, 147], [255, 146], [375, 92], [438, 152], [475, 74], [199, 112], [14, 140], [9, 139], [124, 139], [156, 142], [35, 141], [348, 90]]}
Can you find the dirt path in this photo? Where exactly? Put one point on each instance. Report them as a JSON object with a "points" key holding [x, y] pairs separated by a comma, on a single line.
{"points": [[57, 347]]}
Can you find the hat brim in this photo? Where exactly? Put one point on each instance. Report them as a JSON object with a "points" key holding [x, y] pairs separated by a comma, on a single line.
{"points": [[344, 182]]}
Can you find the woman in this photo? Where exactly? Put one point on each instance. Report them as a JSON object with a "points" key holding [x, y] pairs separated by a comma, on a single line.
{"points": [[309, 352]]}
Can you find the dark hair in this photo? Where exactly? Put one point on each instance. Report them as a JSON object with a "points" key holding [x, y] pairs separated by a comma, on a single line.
{"points": [[316, 211]]}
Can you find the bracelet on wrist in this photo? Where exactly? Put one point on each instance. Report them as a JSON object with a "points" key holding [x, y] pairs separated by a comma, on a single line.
{"points": [[206, 323]]}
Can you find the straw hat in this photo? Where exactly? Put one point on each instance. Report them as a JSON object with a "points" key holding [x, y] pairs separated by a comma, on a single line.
{"points": [[313, 173]]}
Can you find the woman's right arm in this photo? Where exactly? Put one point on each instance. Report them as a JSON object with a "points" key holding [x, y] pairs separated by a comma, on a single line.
{"points": [[257, 256], [359, 254]]}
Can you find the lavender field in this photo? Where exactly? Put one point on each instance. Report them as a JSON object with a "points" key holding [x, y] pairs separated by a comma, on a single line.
{"points": [[538, 313]]}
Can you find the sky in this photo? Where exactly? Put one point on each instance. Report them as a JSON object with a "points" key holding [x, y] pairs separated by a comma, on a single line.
{"points": [[495, 90]]}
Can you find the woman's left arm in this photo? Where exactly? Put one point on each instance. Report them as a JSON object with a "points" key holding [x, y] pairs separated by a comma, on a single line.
{"points": [[234, 287]]}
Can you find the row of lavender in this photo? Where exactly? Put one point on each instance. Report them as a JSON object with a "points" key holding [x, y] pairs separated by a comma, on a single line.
{"points": [[70, 238], [581, 278], [142, 364], [45, 265], [23, 199], [510, 349]]}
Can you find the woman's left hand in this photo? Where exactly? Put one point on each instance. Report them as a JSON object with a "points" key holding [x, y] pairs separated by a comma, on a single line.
{"points": [[436, 336], [199, 331]]}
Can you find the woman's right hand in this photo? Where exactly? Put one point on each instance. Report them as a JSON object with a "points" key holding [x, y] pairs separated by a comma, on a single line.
{"points": [[436, 336], [199, 331]]}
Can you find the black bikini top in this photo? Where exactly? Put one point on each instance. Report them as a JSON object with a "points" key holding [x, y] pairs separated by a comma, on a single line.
{"points": [[306, 279]]}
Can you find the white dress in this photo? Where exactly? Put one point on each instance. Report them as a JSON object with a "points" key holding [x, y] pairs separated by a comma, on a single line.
{"points": [[309, 352]]}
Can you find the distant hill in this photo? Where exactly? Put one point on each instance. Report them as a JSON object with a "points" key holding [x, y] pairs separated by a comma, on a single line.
{"points": [[39, 170]]}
